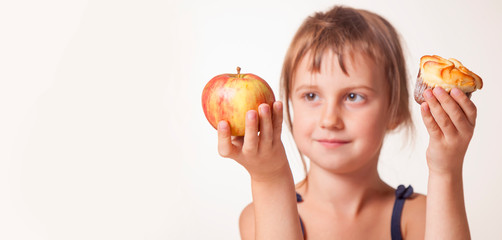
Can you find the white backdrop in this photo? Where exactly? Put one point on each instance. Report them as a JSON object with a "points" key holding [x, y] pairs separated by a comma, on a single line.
{"points": [[102, 134]]}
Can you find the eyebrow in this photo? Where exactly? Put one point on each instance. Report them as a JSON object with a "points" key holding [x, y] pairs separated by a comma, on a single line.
{"points": [[305, 86], [315, 87], [369, 88]]}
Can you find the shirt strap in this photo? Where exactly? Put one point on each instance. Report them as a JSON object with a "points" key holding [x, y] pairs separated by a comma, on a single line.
{"points": [[402, 194]]}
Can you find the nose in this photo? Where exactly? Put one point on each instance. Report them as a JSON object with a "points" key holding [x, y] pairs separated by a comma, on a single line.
{"points": [[331, 117]]}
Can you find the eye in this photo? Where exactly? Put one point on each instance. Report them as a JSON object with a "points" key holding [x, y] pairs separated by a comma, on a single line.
{"points": [[310, 96], [354, 97]]}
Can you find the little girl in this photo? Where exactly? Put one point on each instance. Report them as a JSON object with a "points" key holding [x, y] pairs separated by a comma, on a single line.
{"points": [[344, 78]]}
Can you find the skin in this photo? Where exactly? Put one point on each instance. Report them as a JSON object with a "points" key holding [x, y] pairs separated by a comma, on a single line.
{"points": [[339, 123], [341, 127], [450, 120], [273, 214]]}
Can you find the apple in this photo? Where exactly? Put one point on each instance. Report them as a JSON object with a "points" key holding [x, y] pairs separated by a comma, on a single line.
{"points": [[230, 96]]}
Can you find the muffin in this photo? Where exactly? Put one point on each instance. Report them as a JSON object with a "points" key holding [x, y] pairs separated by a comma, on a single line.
{"points": [[436, 71]]}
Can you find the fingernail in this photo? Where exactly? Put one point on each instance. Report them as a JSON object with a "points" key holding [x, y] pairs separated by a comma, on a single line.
{"points": [[428, 94], [251, 115], [439, 91], [264, 109], [279, 106], [222, 125], [456, 92]]}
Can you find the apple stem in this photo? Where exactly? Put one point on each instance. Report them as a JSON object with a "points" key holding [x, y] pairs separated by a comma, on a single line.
{"points": [[238, 72]]}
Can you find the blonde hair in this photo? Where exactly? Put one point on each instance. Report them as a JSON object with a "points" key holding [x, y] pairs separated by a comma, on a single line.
{"points": [[344, 30]]}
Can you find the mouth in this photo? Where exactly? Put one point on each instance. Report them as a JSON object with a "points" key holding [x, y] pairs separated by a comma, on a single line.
{"points": [[332, 143]]}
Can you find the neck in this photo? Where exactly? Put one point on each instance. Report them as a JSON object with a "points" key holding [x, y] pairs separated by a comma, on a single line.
{"points": [[347, 192]]}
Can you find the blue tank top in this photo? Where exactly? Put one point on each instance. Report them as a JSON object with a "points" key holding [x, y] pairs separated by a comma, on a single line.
{"points": [[402, 193]]}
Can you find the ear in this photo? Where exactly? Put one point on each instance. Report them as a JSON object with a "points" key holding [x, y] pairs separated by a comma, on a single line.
{"points": [[393, 123]]}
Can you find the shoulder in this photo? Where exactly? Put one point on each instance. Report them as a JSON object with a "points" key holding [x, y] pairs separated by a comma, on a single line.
{"points": [[247, 222], [413, 218]]}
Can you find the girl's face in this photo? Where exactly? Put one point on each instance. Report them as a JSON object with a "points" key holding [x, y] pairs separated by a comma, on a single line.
{"points": [[339, 121]]}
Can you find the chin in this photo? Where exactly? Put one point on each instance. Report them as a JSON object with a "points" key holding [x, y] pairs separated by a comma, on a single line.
{"points": [[341, 163], [337, 165]]}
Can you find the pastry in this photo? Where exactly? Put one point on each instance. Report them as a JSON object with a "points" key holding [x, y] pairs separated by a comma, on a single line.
{"points": [[436, 71]]}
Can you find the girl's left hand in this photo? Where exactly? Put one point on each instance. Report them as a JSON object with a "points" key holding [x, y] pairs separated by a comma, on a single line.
{"points": [[450, 120]]}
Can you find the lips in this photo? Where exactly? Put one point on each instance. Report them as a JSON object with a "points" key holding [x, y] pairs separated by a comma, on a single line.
{"points": [[332, 143]]}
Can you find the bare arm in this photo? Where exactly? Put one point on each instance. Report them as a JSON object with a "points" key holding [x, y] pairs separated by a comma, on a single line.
{"points": [[446, 217], [274, 215], [450, 120], [272, 210], [275, 208]]}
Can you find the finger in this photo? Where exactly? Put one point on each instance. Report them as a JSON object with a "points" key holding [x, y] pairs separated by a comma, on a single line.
{"points": [[225, 147], [466, 104], [251, 132], [430, 124], [266, 130], [438, 113], [277, 120], [451, 108]]}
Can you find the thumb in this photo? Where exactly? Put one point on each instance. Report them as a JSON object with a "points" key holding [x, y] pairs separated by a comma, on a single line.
{"points": [[225, 147]]}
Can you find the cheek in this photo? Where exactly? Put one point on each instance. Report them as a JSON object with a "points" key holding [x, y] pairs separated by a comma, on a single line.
{"points": [[301, 138], [299, 127], [302, 128], [373, 128]]}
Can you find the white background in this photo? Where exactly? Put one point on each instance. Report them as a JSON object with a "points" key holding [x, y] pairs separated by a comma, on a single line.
{"points": [[102, 134]]}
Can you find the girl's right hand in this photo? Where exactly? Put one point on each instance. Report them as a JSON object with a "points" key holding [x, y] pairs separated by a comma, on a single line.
{"points": [[262, 154]]}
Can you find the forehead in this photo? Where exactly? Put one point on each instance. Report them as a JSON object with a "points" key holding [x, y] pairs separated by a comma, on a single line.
{"points": [[352, 67]]}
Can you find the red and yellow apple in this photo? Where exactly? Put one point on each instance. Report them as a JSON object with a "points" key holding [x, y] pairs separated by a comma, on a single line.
{"points": [[230, 96]]}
